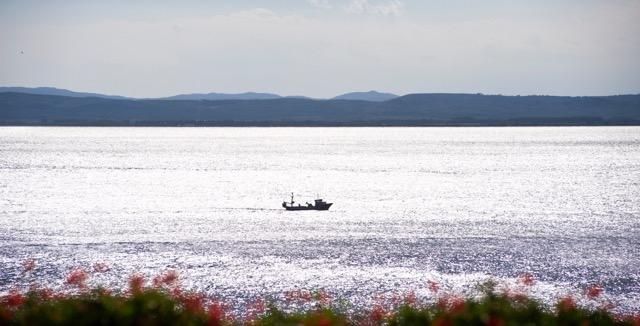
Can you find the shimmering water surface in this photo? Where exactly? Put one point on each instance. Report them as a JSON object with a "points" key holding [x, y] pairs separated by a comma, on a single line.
{"points": [[453, 205]]}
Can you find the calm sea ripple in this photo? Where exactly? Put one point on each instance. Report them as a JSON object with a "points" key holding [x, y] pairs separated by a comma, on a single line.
{"points": [[456, 206]]}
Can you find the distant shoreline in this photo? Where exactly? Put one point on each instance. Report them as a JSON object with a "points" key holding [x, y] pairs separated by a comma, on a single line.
{"points": [[266, 124], [416, 110]]}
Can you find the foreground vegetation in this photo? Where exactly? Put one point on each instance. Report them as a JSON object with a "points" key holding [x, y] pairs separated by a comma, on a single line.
{"points": [[161, 301]]}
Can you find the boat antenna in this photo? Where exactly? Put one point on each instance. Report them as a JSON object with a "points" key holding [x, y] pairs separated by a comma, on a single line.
{"points": [[291, 198]]}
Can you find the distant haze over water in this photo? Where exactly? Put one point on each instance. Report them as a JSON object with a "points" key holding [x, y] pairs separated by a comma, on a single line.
{"points": [[453, 205]]}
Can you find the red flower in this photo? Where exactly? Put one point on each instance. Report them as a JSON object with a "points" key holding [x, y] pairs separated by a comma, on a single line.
{"points": [[77, 277], [100, 267], [395, 299], [305, 295], [323, 297], [168, 278], [527, 279], [458, 305], [452, 304], [44, 293], [567, 304], [378, 313], [291, 296], [136, 283], [193, 302], [103, 291], [410, 298], [29, 265], [14, 299], [433, 286], [607, 305], [299, 295], [258, 306], [176, 292], [255, 309], [216, 313], [519, 297], [594, 291]]}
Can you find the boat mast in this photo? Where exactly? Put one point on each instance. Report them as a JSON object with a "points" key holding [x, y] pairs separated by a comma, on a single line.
{"points": [[291, 199]]}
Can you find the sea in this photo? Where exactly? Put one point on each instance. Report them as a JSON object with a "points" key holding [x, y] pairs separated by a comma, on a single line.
{"points": [[558, 207]]}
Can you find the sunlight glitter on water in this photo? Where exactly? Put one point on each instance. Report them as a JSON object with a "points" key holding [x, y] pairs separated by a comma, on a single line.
{"points": [[457, 205]]}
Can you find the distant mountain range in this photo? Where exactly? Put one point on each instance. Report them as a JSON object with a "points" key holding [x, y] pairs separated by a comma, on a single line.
{"points": [[372, 96], [20, 108], [56, 91], [221, 96]]}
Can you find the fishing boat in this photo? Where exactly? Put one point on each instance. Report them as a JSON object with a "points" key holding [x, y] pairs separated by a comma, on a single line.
{"points": [[318, 205]]}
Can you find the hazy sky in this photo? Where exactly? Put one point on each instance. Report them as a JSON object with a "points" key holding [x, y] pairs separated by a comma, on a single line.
{"points": [[150, 48]]}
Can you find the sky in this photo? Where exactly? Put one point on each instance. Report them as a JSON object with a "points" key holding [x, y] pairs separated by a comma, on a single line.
{"points": [[322, 48]]}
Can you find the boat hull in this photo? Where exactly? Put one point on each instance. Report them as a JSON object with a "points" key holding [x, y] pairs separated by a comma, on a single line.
{"points": [[324, 207]]}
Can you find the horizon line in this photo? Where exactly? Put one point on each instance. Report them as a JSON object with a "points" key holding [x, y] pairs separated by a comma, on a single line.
{"points": [[293, 96]]}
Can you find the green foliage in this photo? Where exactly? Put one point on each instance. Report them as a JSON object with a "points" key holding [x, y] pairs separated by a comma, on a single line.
{"points": [[501, 310], [149, 307], [323, 317], [157, 306]]}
